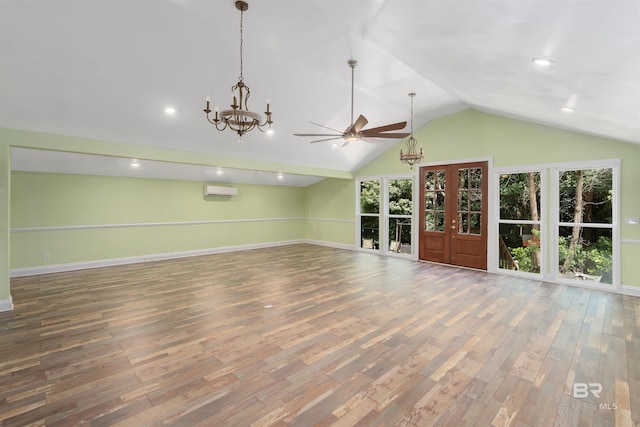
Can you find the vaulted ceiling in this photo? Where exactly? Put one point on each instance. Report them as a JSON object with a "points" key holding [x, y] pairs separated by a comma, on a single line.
{"points": [[106, 69]]}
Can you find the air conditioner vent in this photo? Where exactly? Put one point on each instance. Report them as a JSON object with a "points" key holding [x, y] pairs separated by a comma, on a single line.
{"points": [[212, 190]]}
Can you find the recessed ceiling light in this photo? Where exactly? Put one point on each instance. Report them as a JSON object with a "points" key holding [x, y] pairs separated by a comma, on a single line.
{"points": [[542, 61], [269, 131], [219, 171], [334, 145], [135, 164], [566, 109], [280, 176], [170, 111]]}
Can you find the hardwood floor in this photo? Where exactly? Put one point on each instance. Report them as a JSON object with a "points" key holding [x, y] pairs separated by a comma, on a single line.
{"points": [[306, 335]]}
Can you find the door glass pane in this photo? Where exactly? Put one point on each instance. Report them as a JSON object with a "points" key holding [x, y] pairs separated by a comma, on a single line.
{"points": [[400, 235], [369, 232], [429, 221], [520, 196], [463, 181], [586, 196], [429, 197], [463, 222], [463, 201], [469, 200], [475, 178], [439, 226], [441, 180], [475, 200], [519, 247], [585, 253], [370, 196], [475, 226], [434, 203], [440, 200], [429, 180]]}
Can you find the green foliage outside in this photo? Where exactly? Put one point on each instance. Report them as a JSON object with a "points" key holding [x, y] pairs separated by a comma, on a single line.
{"points": [[588, 258], [527, 256], [400, 197], [370, 197]]}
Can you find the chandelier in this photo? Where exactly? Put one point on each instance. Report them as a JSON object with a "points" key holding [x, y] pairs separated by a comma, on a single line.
{"points": [[239, 118], [411, 156]]}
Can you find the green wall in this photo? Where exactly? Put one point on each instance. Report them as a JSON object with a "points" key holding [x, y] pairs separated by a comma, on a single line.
{"points": [[330, 211], [79, 218]]}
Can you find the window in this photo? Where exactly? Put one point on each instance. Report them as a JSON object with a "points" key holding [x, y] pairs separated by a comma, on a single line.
{"points": [[400, 211], [385, 208], [585, 224], [519, 224], [575, 238], [369, 195]]}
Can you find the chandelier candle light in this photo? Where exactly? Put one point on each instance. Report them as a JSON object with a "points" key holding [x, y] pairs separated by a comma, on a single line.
{"points": [[411, 156], [239, 119]]}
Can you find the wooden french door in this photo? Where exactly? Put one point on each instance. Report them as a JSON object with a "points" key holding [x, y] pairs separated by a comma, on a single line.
{"points": [[453, 214]]}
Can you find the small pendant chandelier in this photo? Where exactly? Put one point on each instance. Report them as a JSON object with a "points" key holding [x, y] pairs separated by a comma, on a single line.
{"points": [[411, 156], [239, 118]]}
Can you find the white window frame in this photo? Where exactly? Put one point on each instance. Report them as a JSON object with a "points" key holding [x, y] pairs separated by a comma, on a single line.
{"points": [[554, 171], [384, 216], [359, 214], [542, 209]]}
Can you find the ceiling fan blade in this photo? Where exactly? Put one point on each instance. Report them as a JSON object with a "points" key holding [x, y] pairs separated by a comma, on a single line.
{"points": [[371, 140], [359, 124], [397, 135], [385, 128], [318, 134], [326, 127], [346, 143], [328, 139]]}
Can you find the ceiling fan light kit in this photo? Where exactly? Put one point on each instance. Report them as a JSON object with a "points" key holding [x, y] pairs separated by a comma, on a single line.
{"points": [[355, 132], [411, 156], [239, 118]]}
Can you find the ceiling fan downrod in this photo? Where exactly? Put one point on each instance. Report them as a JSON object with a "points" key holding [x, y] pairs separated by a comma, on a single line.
{"points": [[352, 63]]}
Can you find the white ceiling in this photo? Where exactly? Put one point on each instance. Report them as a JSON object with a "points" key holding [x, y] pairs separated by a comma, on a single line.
{"points": [[106, 69]]}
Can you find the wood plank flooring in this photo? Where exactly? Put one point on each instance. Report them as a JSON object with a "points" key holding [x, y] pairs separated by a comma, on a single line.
{"points": [[306, 335]]}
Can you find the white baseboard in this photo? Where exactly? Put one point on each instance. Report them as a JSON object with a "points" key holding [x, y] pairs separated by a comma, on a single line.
{"points": [[58, 268], [630, 290], [329, 244], [6, 304]]}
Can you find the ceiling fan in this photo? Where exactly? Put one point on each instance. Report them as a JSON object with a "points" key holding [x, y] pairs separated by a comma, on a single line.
{"points": [[355, 131]]}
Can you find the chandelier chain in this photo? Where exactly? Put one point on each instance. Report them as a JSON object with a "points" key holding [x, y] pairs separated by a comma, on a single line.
{"points": [[241, 34], [412, 113]]}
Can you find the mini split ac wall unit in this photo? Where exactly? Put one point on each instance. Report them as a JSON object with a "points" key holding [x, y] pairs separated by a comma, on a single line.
{"points": [[212, 190]]}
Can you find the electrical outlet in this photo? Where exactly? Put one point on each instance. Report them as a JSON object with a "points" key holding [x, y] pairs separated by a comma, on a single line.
{"points": [[45, 255]]}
